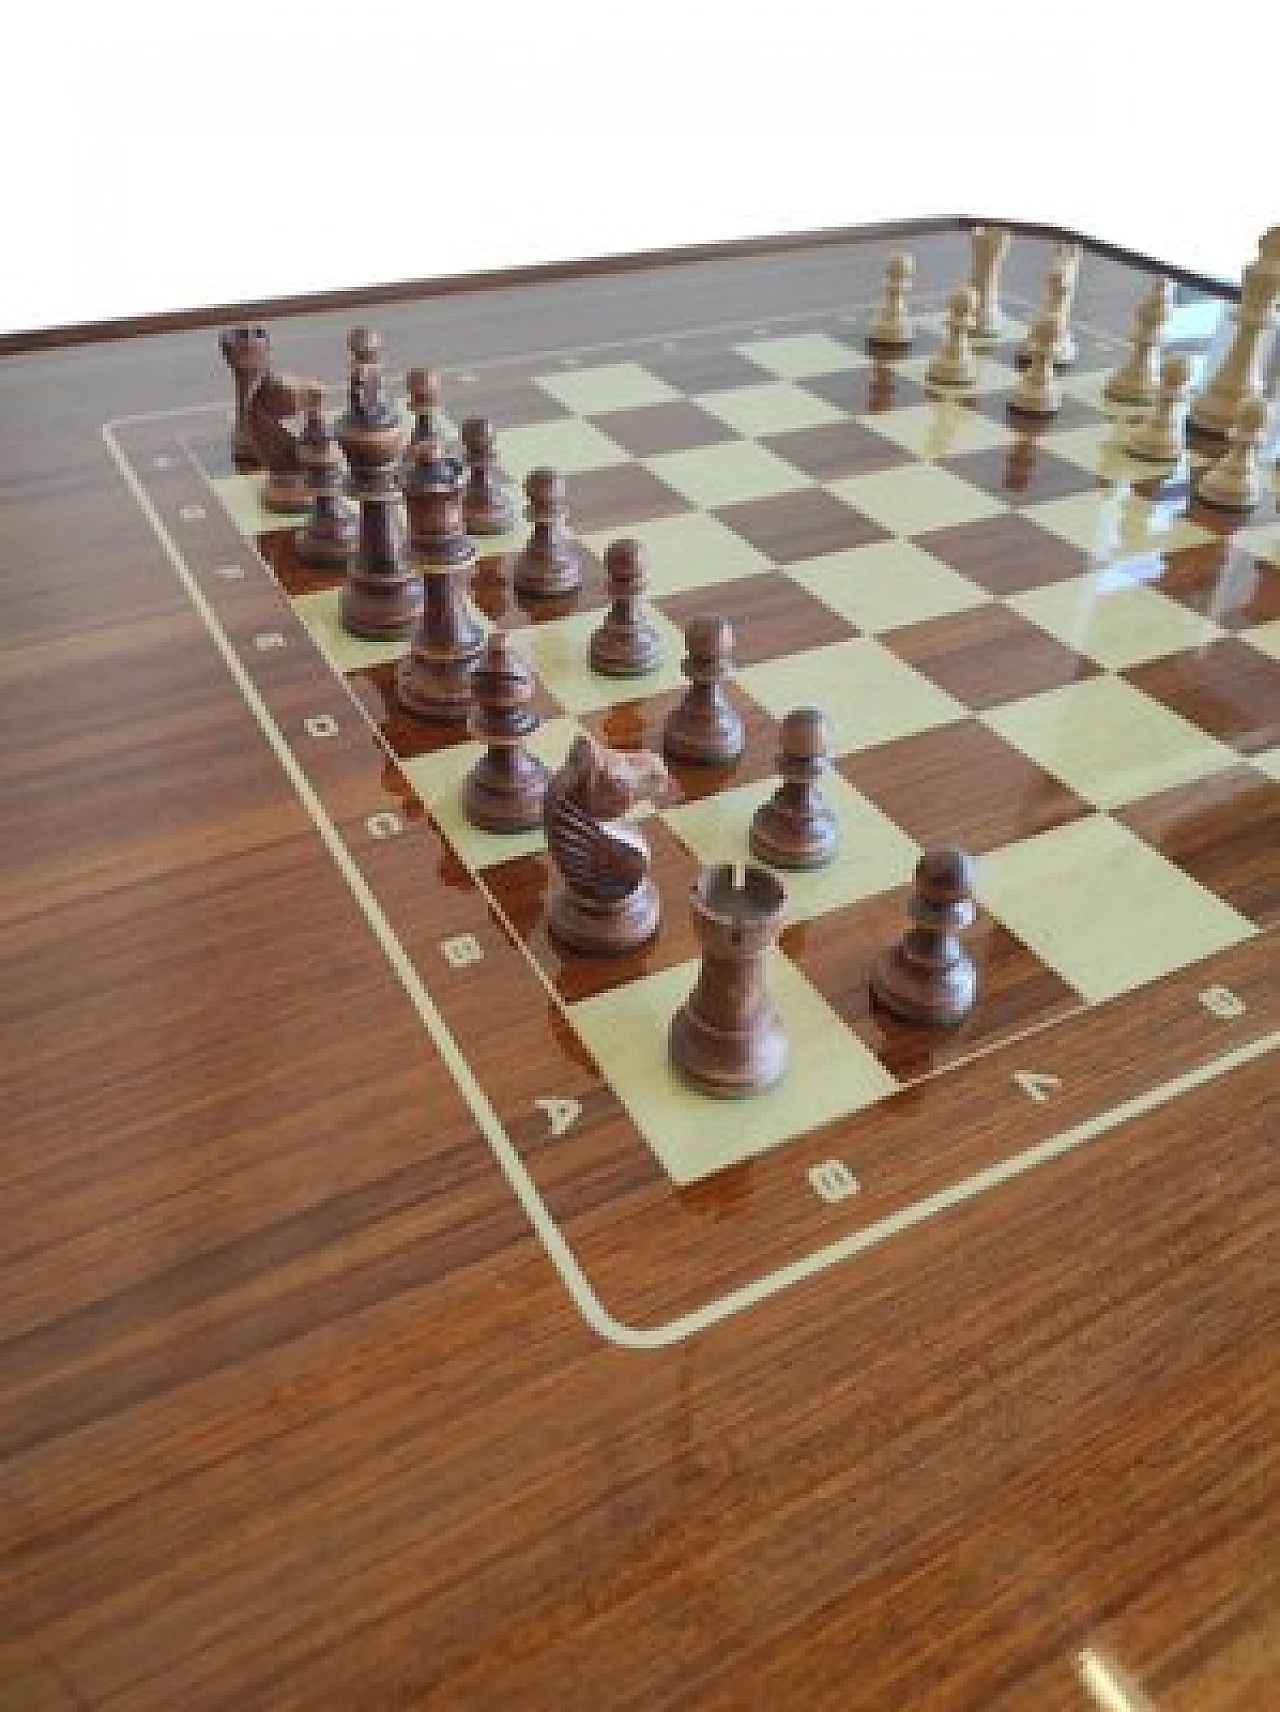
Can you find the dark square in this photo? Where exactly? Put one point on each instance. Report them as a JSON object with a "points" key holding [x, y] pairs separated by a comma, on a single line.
{"points": [[1228, 689], [961, 784], [494, 593], [215, 451], [988, 655], [1005, 554], [706, 371], [524, 887], [867, 390], [374, 687], [1223, 581], [638, 725], [280, 550], [1021, 472], [653, 428], [618, 496], [789, 527], [1074, 413], [1225, 832], [508, 402], [771, 615], [838, 951], [837, 449]]}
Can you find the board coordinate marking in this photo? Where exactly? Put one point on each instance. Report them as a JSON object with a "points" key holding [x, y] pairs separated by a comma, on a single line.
{"points": [[229, 573], [462, 949], [561, 1114], [1222, 1002], [192, 513], [266, 641], [320, 725], [832, 1180], [383, 824], [1037, 1085]]}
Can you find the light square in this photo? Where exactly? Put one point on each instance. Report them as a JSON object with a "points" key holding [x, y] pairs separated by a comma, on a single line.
{"points": [[1102, 908], [942, 428], [797, 356], [1262, 541], [774, 407], [438, 779], [557, 651], [1108, 741], [241, 497], [915, 498], [1269, 763], [688, 551], [566, 444], [886, 585], [1117, 624], [993, 376], [1264, 637], [712, 476], [874, 854], [868, 695], [609, 386], [829, 1075], [1100, 448], [1114, 523], [321, 612]]}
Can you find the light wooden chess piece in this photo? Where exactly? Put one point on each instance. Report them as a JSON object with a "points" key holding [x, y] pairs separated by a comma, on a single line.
{"points": [[990, 246], [1241, 372], [1161, 436], [1235, 482], [608, 903], [1038, 392], [1137, 380], [1057, 298], [955, 366], [893, 329]]}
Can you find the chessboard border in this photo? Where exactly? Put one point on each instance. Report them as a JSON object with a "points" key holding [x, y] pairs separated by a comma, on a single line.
{"points": [[581, 268], [519, 1179]]}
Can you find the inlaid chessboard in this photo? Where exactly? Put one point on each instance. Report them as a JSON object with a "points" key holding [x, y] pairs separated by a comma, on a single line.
{"points": [[1026, 642]]}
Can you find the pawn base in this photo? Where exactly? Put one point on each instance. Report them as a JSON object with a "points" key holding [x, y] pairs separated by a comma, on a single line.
{"points": [[793, 841], [940, 998], [951, 377], [891, 339], [546, 577], [1047, 405], [701, 740], [501, 799], [728, 1064], [604, 927], [497, 517], [437, 689], [1229, 498], [624, 650], [286, 490]]}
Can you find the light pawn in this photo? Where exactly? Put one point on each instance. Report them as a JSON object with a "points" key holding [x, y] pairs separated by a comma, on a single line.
{"points": [[893, 328], [1161, 436], [1235, 481], [954, 366]]}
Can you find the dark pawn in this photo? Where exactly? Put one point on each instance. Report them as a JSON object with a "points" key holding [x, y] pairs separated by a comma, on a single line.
{"points": [[550, 564], [505, 790], [608, 903], [626, 643], [434, 678], [705, 726], [247, 352], [329, 536], [795, 828], [382, 596], [490, 508], [727, 1038], [928, 977], [423, 387]]}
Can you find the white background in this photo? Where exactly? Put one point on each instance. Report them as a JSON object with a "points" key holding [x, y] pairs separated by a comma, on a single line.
{"points": [[157, 157]]}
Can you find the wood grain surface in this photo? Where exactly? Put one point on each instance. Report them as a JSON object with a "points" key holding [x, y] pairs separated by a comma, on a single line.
{"points": [[295, 1409]]}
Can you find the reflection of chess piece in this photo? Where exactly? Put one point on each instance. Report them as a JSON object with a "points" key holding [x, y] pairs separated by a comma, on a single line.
{"points": [[247, 352], [608, 903], [928, 977], [727, 1038]]}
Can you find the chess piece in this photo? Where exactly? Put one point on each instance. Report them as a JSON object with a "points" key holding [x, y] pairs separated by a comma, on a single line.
{"points": [[1137, 380], [928, 977], [329, 536], [1235, 481], [608, 903], [274, 399], [550, 564], [795, 828], [990, 246], [892, 329], [954, 364], [505, 790], [1241, 372], [424, 390], [490, 509], [247, 352], [1161, 436], [1038, 392], [1057, 298], [626, 643], [727, 1039], [705, 726], [382, 597], [434, 678]]}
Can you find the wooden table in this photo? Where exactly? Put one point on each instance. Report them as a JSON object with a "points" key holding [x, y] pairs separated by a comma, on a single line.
{"points": [[373, 1336]]}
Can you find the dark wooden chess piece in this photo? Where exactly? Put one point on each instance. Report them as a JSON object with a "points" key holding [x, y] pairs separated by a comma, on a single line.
{"points": [[382, 596], [274, 399], [504, 791], [490, 509], [626, 643], [727, 1038], [247, 352], [330, 534], [608, 903], [705, 725], [928, 977], [550, 563], [423, 388], [795, 828], [434, 678]]}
